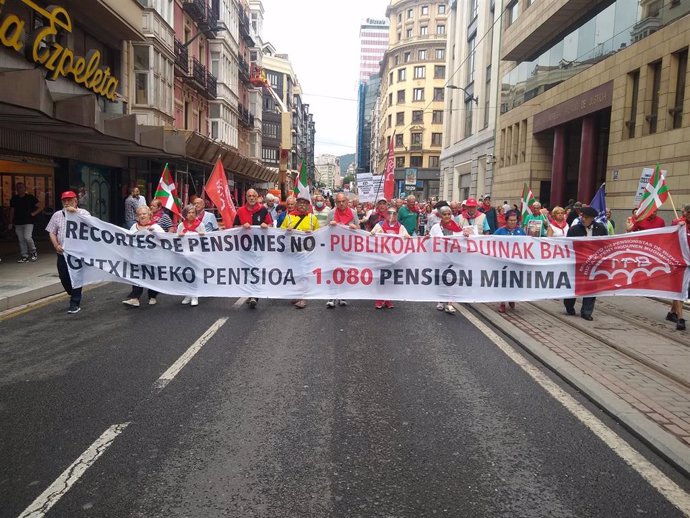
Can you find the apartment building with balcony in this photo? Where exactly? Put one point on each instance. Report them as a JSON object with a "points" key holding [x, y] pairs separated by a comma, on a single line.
{"points": [[328, 171], [469, 116], [593, 92], [412, 92]]}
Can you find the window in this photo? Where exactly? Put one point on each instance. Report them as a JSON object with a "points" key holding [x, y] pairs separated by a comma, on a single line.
{"points": [[400, 119], [436, 139], [418, 116], [437, 117], [420, 72], [487, 95], [272, 79], [424, 30], [399, 17], [440, 29], [634, 87], [407, 57], [390, 119], [390, 99], [418, 94], [401, 74], [397, 58], [440, 53], [399, 161], [401, 96], [439, 71], [442, 9], [410, 14], [513, 11], [415, 161], [142, 73], [270, 129], [433, 161], [468, 117], [681, 62], [471, 62], [425, 10], [438, 94], [398, 141], [421, 55], [653, 117], [416, 139], [390, 78], [409, 33], [474, 5], [399, 35]]}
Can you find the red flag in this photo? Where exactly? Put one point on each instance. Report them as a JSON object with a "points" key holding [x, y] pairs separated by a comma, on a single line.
{"points": [[219, 193], [389, 174]]}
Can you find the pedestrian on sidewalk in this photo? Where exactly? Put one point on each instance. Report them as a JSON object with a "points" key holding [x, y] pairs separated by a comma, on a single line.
{"points": [[132, 202], [144, 224], [391, 225], [190, 225], [585, 227], [253, 214], [24, 208], [56, 231]]}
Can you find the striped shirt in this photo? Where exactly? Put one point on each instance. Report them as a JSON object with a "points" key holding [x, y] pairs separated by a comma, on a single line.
{"points": [[56, 225]]}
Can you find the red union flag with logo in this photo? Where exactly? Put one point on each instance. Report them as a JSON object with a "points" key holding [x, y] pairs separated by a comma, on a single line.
{"points": [[389, 174], [219, 193]]}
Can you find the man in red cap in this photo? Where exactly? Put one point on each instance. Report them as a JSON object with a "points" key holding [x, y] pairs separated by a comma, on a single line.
{"points": [[472, 221], [56, 231]]}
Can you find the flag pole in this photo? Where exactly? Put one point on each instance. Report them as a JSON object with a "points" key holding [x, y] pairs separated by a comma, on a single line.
{"points": [[673, 204]]}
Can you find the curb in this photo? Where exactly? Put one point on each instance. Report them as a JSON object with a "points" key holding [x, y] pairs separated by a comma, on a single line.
{"points": [[659, 440]]}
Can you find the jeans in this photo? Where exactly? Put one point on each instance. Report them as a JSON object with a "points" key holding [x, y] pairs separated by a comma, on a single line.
{"points": [[26, 240], [587, 305], [137, 292], [63, 273]]}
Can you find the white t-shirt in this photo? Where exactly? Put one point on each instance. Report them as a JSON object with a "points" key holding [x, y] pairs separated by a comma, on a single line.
{"points": [[437, 231], [155, 227]]}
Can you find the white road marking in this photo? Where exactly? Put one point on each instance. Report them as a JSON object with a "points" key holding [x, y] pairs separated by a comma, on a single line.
{"points": [[176, 367], [239, 302], [667, 487], [64, 482]]}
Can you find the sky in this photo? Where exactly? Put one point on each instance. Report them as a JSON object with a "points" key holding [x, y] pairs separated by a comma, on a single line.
{"points": [[321, 38]]}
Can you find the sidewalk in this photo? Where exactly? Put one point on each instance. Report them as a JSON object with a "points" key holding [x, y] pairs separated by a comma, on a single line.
{"points": [[629, 360], [27, 282]]}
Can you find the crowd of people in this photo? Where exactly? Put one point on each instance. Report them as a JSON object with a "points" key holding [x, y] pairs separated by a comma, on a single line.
{"points": [[403, 217]]}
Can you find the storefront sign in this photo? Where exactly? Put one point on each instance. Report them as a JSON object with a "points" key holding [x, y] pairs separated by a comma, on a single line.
{"points": [[42, 48], [340, 262], [410, 177], [589, 102]]}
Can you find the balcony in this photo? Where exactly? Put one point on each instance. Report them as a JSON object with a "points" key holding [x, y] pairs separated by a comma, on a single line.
{"points": [[204, 13], [244, 26], [196, 9], [244, 70], [245, 118], [202, 80], [181, 58]]}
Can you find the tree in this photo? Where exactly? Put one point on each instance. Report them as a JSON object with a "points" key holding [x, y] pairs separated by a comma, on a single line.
{"points": [[348, 179]]}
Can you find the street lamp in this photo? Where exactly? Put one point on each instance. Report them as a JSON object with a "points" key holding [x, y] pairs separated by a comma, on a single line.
{"points": [[468, 96]]}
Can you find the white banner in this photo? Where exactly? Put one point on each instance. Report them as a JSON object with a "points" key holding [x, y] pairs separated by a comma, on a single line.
{"points": [[337, 262], [368, 187]]}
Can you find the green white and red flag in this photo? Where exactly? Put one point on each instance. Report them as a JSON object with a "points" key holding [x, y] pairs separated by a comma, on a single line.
{"points": [[167, 192], [655, 194], [526, 201]]}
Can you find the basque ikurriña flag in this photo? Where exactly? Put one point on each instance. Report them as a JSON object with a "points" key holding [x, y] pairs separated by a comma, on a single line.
{"points": [[599, 203], [167, 192], [655, 194], [526, 201], [302, 187]]}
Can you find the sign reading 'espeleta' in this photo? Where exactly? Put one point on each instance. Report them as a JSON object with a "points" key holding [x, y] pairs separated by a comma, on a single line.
{"points": [[42, 48]]}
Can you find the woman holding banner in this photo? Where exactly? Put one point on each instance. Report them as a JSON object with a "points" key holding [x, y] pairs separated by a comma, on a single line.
{"points": [[190, 225], [446, 227], [390, 225]]}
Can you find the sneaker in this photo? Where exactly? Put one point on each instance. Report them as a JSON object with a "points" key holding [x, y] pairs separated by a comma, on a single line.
{"points": [[194, 301], [73, 309], [330, 304], [671, 316], [342, 302], [186, 300], [23, 259], [450, 308], [389, 304], [300, 304], [153, 301], [132, 302], [511, 305], [252, 302], [680, 325], [33, 257], [440, 306], [502, 307], [379, 305]]}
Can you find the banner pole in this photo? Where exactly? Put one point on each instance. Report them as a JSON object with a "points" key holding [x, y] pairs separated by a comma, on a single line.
{"points": [[673, 204]]}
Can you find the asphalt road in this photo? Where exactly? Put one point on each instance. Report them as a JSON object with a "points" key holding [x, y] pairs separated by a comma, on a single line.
{"points": [[286, 413]]}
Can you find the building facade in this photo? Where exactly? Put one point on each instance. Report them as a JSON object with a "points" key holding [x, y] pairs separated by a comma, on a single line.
{"points": [[373, 42], [328, 171], [593, 98], [367, 93], [412, 92], [472, 86]]}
